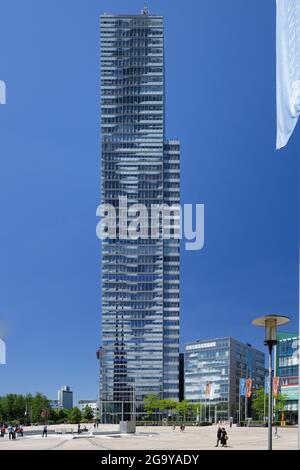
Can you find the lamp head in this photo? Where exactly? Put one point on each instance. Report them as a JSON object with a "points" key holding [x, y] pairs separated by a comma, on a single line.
{"points": [[270, 322]]}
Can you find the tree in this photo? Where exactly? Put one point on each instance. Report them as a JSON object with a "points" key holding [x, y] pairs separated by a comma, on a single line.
{"points": [[74, 416], [259, 400], [184, 408], [59, 416], [151, 404], [280, 404], [12, 407], [24, 408], [87, 414], [40, 408]]}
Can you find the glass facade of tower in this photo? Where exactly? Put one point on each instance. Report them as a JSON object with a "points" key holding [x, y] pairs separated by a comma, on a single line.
{"points": [[140, 278]]}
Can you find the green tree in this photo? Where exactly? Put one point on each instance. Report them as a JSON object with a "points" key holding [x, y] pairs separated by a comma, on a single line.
{"points": [[40, 407], [74, 416], [60, 416], [12, 407], [185, 409], [259, 400], [87, 415], [280, 404], [151, 404]]}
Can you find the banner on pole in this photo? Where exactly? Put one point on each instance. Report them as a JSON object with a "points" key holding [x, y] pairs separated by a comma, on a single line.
{"points": [[267, 386], [212, 391], [208, 389], [288, 68], [242, 387], [276, 383], [248, 388]]}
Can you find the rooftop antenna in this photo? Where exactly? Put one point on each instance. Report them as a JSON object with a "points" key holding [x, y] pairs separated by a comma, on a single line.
{"points": [[145, 10]]}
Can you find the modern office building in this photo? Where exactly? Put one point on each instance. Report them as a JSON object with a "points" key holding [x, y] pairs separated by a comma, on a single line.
{"points": [[287, 368], [65, 397], [140, 278], [213, 369]]}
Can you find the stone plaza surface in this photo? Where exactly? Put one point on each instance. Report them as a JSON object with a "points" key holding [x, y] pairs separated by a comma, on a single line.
{"points": [[153, 438]]}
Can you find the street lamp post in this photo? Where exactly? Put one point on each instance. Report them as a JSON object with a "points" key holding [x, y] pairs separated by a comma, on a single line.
{"points": [[270, 323]]}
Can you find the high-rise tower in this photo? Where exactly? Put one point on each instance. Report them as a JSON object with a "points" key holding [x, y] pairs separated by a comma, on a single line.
{"points": [[140, 278]]}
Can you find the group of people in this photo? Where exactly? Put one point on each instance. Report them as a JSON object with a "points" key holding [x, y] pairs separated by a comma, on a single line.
{"points": [[11, 430], [222, 437], [80, 429], [181, 427]]}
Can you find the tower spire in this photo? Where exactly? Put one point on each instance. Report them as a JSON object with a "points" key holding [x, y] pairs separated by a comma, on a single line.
{"points": [[145, 10]]}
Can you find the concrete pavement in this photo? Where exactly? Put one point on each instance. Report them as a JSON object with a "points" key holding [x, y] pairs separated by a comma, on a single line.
{"points": [[154, 438]]}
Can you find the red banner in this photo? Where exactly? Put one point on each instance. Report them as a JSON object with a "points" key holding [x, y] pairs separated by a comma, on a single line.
{"points": [[248, 388], [276, 383]]}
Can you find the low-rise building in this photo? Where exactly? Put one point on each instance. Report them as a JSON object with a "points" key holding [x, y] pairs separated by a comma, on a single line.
{"points": [[213, 369], [93, 404]]}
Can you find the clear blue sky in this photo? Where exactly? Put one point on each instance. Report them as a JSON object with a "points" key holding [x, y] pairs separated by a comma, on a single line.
{"points": [[220, 85]]}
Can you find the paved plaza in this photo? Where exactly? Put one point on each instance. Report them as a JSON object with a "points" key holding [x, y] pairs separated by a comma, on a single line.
{"points": [[152, 438]]}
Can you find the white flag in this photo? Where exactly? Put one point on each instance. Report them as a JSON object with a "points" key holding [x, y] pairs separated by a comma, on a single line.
{"points": [[288, 68], [2, 352], [212, 391]]}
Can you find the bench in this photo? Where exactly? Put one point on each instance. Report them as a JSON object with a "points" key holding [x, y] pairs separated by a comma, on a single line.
{"points": [[64, 431]]}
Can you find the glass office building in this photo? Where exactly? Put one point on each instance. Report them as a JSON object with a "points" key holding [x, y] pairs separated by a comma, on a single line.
{"points": [[140, 278], [287, 368], [212, 370]]}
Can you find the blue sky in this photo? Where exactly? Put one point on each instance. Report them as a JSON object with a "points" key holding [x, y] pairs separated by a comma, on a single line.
{"points": [[220, 90]]}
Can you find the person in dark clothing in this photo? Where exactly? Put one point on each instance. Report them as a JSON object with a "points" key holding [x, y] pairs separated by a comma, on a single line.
{"points": [[45, 431], [219, 435], [10, 430], [224, 438]]}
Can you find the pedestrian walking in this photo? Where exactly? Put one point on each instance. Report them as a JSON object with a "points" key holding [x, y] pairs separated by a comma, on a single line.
{"points": [[174, 427], [45, 431], [219, 436], [276, 432], [10, 430], [224, 438]]}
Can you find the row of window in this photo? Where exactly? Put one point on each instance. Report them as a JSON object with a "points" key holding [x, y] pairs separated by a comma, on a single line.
{"points": [[131, 72], [131, 59], [133, 118], [131, 81], [135, 48], [134, 99]]}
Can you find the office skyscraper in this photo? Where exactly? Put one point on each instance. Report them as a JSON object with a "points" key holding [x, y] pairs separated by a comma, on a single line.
{"points": [[140, 278]]}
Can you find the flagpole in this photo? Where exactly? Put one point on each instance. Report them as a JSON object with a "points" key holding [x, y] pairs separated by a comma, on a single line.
{"points": [[299, 350]]}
